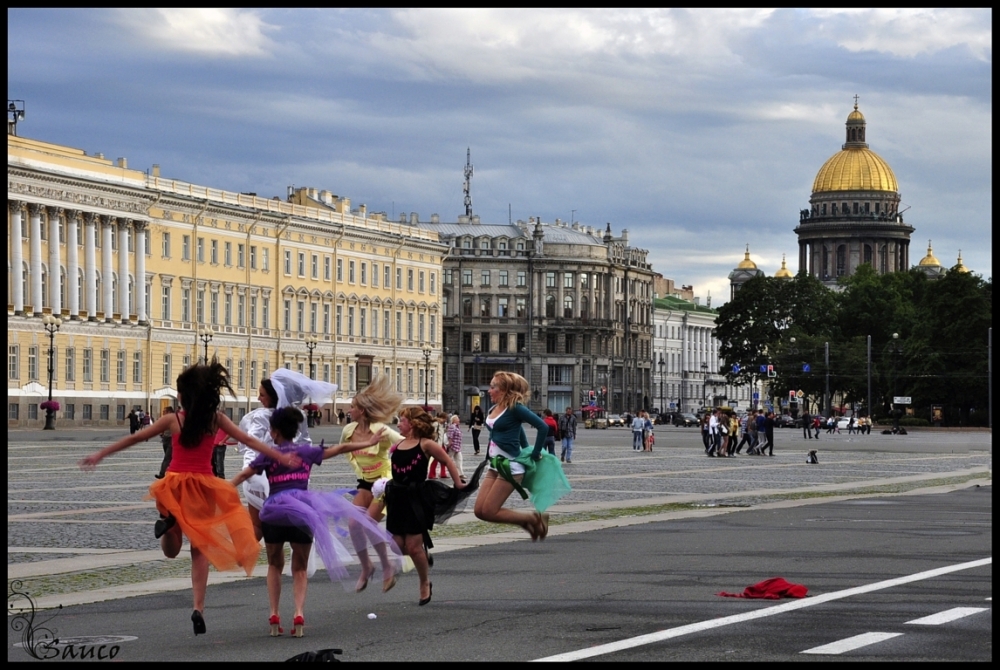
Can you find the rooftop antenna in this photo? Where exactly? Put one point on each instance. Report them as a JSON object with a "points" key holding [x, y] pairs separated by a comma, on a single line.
{"points": [[468, 176]]}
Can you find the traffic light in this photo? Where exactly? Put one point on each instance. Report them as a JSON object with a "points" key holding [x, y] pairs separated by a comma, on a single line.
{"points": [[771, 372]]}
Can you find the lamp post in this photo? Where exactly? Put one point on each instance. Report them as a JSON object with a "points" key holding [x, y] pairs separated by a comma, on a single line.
{"points": [[704, 383], [896, 350], [662, 363], [311, 343], [206, 335], [51, 325], [427, 376]]}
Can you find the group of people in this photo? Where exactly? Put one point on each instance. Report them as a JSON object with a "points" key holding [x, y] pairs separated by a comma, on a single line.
{"points": [[138, 418], [642, 431], [725, 434], [561, 431], [393, 482]]}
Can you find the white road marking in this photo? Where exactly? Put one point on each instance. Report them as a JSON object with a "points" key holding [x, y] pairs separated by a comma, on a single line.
{"points": [[699, 626], [851, 643], [947, 615]]}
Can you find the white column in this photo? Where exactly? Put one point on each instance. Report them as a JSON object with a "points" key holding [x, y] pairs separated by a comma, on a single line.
{"points": [[140, 271], [35, 267], [16, 256], [90, 264], [123, 226], [55, 294], [72, 266], [107, 269]]}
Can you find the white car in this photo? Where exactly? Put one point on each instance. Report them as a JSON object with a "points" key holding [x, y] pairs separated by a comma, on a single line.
{"points": [[842, 422]]}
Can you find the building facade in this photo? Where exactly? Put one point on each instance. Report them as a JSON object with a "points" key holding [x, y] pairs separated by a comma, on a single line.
{"points": [[563, 305], [146, 274], [854, 215], [688, 373]]}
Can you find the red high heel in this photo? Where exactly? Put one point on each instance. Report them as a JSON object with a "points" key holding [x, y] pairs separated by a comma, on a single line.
{"points": [[276, 628], [298, 623]]}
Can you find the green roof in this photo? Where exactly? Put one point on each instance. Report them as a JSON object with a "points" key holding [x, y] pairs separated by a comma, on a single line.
{"points": [[675, 303]]}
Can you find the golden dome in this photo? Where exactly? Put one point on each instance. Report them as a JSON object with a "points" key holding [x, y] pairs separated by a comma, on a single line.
{"points": [[855, 115], [855, 169], [960, 267], [746, 263], [929, 259], [784, 272]]}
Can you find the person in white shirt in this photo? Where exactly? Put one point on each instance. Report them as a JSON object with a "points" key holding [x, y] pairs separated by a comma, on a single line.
{"points": [[638, 425], [713, 433]]}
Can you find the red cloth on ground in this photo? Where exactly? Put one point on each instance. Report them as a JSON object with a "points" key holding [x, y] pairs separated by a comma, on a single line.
{"points": [[770, 589]]}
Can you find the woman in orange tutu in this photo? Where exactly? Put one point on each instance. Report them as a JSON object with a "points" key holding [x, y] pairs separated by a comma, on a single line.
{"points": [[191, 500]]}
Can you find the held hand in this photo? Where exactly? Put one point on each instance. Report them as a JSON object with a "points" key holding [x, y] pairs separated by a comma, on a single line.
{"points": [[536, 457], [89, 463]]}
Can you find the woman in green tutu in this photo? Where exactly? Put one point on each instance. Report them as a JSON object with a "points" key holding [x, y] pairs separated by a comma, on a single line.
{"points": [[513, 465]]}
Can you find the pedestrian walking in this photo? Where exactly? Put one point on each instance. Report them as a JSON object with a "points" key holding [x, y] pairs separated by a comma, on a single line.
{"points": [[477, 426], [166, 439], [638, 425], [550, 439], [133, 422], [455, 443], [769, 423], [806, 426], [567, 431]]}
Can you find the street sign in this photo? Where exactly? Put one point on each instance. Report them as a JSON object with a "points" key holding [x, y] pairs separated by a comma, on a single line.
{"points": [[756, 395], [901, 400], [806, 368], [763, 369], [673, 405], [800, 394], [736, 368]]}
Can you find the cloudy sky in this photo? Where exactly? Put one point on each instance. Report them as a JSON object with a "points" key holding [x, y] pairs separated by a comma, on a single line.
{"points": [[699, 131]]}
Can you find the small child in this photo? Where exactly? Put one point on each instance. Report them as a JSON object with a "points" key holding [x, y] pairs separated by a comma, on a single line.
{"points": [[298, 516]]}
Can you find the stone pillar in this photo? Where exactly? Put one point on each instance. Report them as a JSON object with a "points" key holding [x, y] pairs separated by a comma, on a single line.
{"points": [[35, 267], [55, 276], [123, 292], [72, 265], [90, 264], [140, 271], [16, 256], [107, 268]]}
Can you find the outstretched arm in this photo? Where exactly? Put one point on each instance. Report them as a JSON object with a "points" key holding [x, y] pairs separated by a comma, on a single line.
{"points": [[244, 475], [343, 448], [231, 429], [164, 423]]}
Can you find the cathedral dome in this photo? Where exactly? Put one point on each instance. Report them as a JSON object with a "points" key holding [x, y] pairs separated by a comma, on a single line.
{"points": [[855, 167], [929, 259], [960, 266], [746, 263], [784, 272]]}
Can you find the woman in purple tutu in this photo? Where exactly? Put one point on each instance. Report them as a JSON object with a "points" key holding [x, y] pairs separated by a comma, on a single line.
{"points": [[301, 517]]}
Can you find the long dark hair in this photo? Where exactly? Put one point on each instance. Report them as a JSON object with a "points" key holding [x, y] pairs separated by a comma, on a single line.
{"points": [[271, 393], [200, 387]]}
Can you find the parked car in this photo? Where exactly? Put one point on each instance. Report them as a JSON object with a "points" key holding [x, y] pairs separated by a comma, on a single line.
{"points": [[615, 420], [685, 419], [786, 421], [842, 422]]}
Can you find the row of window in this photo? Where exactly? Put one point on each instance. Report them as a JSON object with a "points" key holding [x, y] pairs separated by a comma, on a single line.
{"points": [[103, 363], [357, 273], [358, 323], [130, 236], [845, 209]]}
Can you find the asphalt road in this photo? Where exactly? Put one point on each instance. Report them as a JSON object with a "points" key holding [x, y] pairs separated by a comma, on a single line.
{"points": [[521, 601]]}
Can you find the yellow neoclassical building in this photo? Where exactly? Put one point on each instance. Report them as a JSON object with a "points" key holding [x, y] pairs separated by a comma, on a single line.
{"points": [[144, 273]]}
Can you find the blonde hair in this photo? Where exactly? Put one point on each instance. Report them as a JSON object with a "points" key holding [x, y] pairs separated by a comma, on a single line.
{"points": [[378, 400], [513, 388]]}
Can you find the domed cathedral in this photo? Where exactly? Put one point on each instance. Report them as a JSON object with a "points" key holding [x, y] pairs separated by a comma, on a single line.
{"points": [[743, 273], [930, 265], [854, 213]]}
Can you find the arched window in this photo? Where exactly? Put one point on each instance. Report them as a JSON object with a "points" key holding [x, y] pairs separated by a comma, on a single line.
{"points": [[568, 307], [868, 254], [584, 308], [841, 260], [550, 306]]}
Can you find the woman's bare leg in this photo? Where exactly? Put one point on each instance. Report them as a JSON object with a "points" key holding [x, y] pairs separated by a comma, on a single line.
{"points": [[493, 493], [275, 564], [362, 498], [255, 520], [199, 578], [413, 545], [300, 580]]}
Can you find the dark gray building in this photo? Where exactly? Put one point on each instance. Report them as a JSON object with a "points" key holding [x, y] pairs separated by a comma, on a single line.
{"points": [[567, 307]]}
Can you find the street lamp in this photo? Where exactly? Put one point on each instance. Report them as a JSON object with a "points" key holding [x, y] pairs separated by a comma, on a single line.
{"points": [[311, 343], [427, 377], [51, 325], [661, 364], [704, 383], [896, 349], [206, 335]]}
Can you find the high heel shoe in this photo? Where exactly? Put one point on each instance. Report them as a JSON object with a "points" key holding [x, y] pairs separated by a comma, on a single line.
{"points": [[199, 622], [298, 623], [162, 525], [363, 581], [430, 592], [275, 622], [387, 584]]}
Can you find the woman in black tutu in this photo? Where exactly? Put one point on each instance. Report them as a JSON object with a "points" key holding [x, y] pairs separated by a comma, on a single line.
{"points": [[413, 503]]}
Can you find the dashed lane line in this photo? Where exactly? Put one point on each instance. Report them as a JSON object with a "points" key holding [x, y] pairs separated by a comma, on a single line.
{"points": [[670, 633], [947, 616], [851, 643]]}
